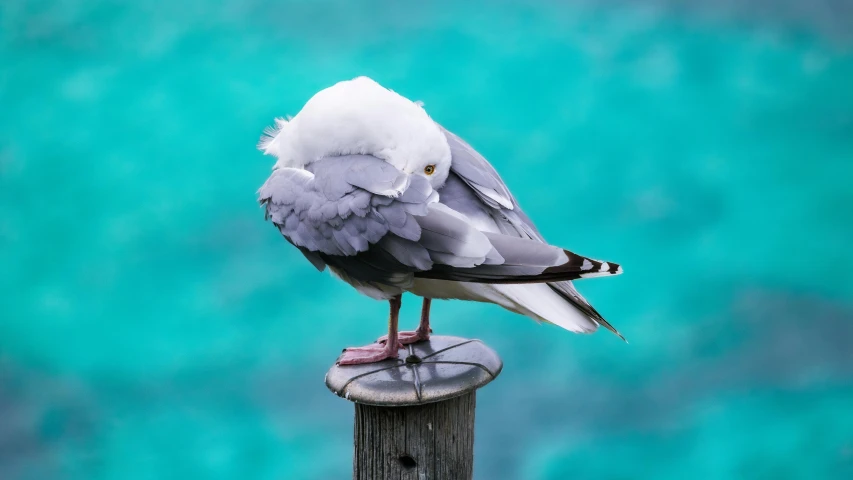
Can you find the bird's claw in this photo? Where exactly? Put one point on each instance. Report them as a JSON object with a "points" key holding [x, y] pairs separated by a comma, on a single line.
{"points": [[368, 354]]}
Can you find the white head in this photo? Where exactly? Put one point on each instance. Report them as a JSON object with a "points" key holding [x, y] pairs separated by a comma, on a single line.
{"points": [[360, 116]]}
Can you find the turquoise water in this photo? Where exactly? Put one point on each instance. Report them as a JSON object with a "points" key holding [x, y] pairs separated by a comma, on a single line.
{"points": [[153, 326]]}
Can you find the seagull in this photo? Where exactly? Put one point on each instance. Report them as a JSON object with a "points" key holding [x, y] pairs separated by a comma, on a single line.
{"points": [[367, 184]]}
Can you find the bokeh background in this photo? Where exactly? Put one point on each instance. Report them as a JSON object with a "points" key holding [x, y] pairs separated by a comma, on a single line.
{"points": [[153, 326]]}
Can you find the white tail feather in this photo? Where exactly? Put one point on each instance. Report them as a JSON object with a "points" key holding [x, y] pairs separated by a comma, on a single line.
{"points": [[539, 302]]}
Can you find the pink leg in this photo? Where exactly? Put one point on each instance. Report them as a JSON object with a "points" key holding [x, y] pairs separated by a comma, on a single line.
{"points": [[377, 351], [419, 335]]}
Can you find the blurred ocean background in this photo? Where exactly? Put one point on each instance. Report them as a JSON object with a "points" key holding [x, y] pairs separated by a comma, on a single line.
{"points": [[153, 326]]}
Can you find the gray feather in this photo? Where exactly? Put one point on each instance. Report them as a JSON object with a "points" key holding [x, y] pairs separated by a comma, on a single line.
{"points": [[447, 260], [341, 205], [444, 232], [407, 252], [520, 251], [477, 172], [488, 202]]}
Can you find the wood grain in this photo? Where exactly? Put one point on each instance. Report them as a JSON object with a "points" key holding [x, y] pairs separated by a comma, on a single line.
{"points": [[434, 441]]}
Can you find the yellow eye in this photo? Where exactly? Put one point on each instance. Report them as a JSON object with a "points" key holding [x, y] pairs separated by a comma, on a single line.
{"points": [[429, 169]]}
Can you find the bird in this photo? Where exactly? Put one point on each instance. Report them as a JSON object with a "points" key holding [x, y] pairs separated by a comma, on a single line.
{"points": [[367, 184]]}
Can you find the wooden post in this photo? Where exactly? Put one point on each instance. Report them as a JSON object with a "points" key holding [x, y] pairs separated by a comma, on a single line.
{"points": [[414, 417], [435, 440]]}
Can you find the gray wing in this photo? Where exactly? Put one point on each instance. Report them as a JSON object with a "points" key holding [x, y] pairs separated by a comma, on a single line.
{"points": [[478, 173], [489, 200], [363, 216], [340, 207], [482, 178], [524, 261]]}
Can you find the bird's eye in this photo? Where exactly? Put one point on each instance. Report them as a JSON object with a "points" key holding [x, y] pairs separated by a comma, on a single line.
{"points": [[429, 169]]}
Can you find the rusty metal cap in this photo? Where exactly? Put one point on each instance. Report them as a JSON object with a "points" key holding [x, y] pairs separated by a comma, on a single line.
{"points": [[431, 371]]}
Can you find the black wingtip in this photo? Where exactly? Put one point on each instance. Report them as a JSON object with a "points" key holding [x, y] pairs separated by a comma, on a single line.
{"points": [[589, 268], [604, 323], [581, 304]]}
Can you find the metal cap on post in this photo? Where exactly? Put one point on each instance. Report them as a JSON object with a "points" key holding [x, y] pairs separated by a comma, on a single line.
{"points": [[414, 416]]}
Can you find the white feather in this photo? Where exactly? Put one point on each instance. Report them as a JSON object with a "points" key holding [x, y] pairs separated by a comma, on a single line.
{"points": [[360, 116], [536, 301]]}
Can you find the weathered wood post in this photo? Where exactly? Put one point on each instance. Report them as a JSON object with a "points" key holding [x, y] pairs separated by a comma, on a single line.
{"points": [[414, 416]]}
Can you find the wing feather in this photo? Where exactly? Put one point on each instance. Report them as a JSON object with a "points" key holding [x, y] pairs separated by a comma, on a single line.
{"points": [[373, 223], [488, 201]]}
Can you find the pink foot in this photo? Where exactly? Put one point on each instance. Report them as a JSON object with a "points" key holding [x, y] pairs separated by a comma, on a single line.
{"points": [[368, 354], [405, 338]]}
